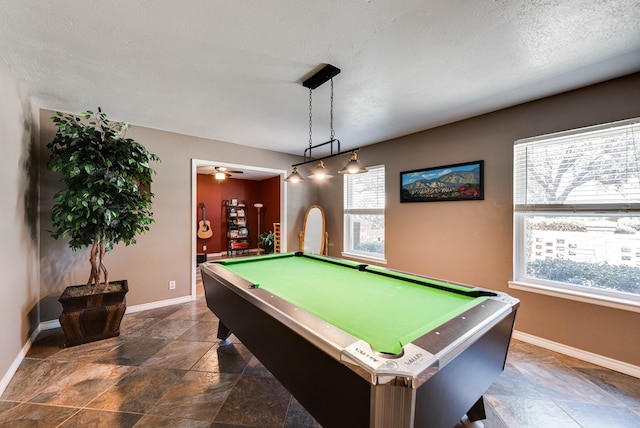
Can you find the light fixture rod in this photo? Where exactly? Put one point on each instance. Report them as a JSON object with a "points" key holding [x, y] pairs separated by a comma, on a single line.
{"points": [[323, 75], [307, 151], [309, 159]]}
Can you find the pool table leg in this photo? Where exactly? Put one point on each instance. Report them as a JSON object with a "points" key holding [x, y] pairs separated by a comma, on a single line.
{"points": [[223, 331], [477, 412]]}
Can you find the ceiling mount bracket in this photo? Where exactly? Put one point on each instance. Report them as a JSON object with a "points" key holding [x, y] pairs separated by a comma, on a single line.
{"points": [[325, 74]]}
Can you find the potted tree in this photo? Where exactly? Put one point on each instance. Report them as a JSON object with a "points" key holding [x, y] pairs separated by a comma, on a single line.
{"points": [[106, 200]]}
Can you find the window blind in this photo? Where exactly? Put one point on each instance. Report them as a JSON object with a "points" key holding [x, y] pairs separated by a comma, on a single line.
{"points": [[364, 192], [582, 170]]}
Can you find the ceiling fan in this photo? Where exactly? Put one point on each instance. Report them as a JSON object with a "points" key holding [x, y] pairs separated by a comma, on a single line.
{"points": [[221, 172]]}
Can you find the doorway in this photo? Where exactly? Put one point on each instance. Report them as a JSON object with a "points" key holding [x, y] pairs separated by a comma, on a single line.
{"points": [[235, 171]]}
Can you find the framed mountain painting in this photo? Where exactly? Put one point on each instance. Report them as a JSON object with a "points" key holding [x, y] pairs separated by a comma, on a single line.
{"points": [[458, 182]]}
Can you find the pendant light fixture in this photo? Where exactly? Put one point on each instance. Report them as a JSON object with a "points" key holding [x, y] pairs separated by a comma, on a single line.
{"points": [[295, 176], [353, 166], [320, 172]]}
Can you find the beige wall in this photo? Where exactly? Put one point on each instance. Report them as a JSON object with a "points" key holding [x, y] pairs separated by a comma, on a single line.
{"points": [[18, 220], [471, 241], [164, 253]]}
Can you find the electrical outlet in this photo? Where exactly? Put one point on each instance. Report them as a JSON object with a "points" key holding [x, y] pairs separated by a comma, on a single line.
{"points": [[172, 285], [204, 248]]}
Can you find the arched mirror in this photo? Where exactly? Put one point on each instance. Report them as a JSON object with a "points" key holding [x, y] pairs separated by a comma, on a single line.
{"points": [[313, 237]]}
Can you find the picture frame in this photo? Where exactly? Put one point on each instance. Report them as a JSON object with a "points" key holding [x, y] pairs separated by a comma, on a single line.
{"points": [[456, 182]]}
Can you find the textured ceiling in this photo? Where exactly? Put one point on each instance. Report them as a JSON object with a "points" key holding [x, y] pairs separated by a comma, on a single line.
{"points": [[231, 70]]}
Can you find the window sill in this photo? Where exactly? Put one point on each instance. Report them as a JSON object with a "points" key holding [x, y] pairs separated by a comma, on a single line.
{"points": [[611, 302], [364, 258]]}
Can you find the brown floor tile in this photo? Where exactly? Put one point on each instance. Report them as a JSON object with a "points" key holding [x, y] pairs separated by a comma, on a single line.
{"points": [[6, 405], [530, 413], [48, 342], [168, 329], [29, 380], [29, 415], [561, 383], [132, 326], [223, 425], [134, 351], [224, 358], [87, 352], [178, 354], [196, 312], [153, 421], [87, 418], [624, 388], [256, 401], [202, 331], [298, 417], [595, 416], [81, 386], [206, 393], [159, 313], [137, 392], [255, 368]]}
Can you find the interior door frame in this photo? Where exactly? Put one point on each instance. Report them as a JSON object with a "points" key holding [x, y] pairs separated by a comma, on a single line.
{"points": [[195, 163]]}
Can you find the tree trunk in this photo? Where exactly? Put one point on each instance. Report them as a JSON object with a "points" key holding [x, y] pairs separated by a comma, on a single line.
{"points": [[97, 266]]}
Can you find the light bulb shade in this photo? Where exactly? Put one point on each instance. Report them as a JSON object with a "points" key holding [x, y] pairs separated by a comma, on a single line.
{"points": [[320, 172], [220, 175], [294, 177], [353, 166]]}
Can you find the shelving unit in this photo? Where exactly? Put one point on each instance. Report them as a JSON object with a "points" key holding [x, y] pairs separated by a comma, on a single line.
{"points": [[237, 230]]}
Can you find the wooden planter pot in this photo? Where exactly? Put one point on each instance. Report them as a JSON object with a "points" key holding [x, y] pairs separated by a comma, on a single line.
{"points": [[92, 317]]}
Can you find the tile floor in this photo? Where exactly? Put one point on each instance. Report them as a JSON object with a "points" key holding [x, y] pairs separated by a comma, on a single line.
{"points": [[167, 369]]}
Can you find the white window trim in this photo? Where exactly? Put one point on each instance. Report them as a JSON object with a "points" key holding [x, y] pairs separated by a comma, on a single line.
{"points": [[368, 257], [603, 297], [579, 296], [364, 257]]}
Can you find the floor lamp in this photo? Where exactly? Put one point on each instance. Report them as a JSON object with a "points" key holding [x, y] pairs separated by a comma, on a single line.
{"points": [[258, 205]]}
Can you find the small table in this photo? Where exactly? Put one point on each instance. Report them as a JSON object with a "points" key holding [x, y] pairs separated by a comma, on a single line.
{"points": [[364, 346]]}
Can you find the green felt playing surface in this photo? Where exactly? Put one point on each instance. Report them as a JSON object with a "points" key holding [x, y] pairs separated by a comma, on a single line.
{"points": [[385, 312]]}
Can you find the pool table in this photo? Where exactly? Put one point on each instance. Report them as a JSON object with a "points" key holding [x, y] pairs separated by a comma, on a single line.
{"points": [[364, 346]]}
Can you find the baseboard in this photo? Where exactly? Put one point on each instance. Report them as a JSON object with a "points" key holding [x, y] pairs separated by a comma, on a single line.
{"points": [[18, 360], [600, 360], [216, 255], [48, 325], [158, 304]]}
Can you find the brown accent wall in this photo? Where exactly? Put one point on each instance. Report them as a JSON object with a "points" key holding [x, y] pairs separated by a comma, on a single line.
{"points": [[213, 193]]}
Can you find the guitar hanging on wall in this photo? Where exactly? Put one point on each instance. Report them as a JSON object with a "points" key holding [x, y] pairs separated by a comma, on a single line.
{"points": [[204, 227]]}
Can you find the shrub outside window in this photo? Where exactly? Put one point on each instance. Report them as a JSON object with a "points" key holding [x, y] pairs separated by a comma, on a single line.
{"points": [[577, 211]]}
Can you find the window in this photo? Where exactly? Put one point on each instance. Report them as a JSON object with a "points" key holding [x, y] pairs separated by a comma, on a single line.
{"points": [[577, 212], [364, 201]]}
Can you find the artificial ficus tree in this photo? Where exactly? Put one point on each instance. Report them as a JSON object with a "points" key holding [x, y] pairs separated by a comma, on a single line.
{"points": [[107, 178]]}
